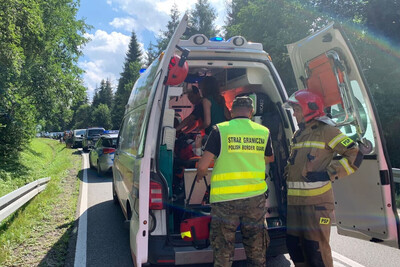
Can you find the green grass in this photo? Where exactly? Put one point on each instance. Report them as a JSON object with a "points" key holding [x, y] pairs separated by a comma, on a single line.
{"points": [[32, 165], [38, 233]]}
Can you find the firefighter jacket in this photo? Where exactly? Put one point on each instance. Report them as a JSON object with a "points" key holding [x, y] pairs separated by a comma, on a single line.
{"points": [[313, 151], [239, 170]]}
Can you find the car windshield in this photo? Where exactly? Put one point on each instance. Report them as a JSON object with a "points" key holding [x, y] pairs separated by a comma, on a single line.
{"points": [[110, 142], [95, 132], [81, 132]]}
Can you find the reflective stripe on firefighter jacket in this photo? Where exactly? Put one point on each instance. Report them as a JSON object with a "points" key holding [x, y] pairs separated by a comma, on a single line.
{"points": [[313, 150], [239, 171]]}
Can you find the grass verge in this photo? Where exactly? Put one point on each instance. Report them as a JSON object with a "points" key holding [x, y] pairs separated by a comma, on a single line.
{"points": [[37, 234]]}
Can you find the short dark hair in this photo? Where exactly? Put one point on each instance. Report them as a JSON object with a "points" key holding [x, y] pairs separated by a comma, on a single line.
{"points": [[243, 102], [195, 89]]}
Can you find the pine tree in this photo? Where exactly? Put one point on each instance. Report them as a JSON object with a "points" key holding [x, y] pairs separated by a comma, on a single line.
{"points": [[201, 19], [83, 117], [172, 24], [152, 53], [96, 97], [129, 75], [232, 16], [101, 116], [105, 93]]}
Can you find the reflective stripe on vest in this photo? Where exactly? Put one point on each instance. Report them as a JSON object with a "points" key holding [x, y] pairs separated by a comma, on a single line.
{"points": [[312, 144], [239, 171], [310, 192], [306, 185], [340, 138], [345, 163]]}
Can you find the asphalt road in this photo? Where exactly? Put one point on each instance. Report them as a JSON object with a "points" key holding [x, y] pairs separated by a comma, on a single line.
{"points": [[108, 236]]}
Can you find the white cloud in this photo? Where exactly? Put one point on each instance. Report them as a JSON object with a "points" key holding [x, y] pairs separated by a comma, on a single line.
{"points": [[154, 15], [127, 23], [94, 73], [102, 41], [165, 6], [105, 55], [145, 13]]}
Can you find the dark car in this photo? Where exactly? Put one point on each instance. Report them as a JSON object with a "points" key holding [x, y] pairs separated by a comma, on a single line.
{"points": [[90, 138]]}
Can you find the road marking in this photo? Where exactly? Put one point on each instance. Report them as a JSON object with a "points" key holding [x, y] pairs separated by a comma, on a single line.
{"points": [[80, 252], [338, 261], [345, 260]]}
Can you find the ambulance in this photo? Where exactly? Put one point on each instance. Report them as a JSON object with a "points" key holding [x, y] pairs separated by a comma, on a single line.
{"points": [[152, 185]]}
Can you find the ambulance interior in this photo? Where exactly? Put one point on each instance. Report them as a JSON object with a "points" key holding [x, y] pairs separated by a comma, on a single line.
{"points": [[254, 80]]}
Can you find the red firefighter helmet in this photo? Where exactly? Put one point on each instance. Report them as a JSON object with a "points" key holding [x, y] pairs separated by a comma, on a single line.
{"points": [[177, 71], [310, 103]]}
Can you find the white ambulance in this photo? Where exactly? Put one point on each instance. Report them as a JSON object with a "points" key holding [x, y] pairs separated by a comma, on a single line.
{"points": [[152, 185]]}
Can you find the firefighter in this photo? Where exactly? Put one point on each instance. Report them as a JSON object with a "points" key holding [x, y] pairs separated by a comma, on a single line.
{"points": [[310, 171], [242, 149]]}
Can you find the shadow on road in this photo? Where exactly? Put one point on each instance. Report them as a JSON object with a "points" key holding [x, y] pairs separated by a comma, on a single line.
{"points": [[107, 238], [104, 178]]}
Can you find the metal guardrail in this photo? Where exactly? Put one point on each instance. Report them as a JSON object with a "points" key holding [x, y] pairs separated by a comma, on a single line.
{"points": [[396, 175], [16, 199]]}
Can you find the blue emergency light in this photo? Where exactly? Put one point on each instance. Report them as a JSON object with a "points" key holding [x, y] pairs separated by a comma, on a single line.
{"points": [[110, 131], [142, 70], [217, 39]]}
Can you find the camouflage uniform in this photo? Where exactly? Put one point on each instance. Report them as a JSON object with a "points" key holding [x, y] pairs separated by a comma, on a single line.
{"points": [[250, 214], [310, 170], [238, 186]]}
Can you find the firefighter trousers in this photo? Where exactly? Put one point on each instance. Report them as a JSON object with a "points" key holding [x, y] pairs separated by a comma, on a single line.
{"points": [[308, 233]]}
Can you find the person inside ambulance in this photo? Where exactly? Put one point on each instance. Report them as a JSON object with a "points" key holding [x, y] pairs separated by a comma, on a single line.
{"points": [[189, 138], [195, 118], [310, 171], [214, 106]]}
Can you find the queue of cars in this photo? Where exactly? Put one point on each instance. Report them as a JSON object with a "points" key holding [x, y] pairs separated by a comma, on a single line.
{"points": [[98, 142]]}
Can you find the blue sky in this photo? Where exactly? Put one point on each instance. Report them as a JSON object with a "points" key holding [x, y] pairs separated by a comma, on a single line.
{"points": [[114, 20]]}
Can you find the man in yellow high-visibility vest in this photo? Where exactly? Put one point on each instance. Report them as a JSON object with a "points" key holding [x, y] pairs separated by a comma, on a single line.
{"points": [[311, 169], [242, 149]]}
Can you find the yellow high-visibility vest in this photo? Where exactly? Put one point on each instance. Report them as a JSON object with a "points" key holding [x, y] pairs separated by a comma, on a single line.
{"points": [[239, 171]]}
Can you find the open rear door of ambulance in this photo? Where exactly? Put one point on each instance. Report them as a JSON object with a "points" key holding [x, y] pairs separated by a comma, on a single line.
{"points": [[139, 229], [364, 201]]}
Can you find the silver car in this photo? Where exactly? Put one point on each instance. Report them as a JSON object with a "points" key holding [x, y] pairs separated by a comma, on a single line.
{"points": [[77, 137], [101, 157]]}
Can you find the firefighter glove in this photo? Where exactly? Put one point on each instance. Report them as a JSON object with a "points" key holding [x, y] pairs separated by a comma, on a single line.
{"points": [[318, 176]]}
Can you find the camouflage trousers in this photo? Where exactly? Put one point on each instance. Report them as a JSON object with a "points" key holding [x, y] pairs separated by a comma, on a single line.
{"points": [[249, 213]]}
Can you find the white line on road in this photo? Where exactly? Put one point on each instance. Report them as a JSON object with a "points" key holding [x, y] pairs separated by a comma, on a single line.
{"points": [[338, 261], [345, 260], [80, 252]]}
